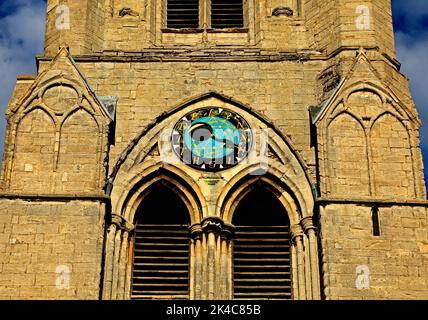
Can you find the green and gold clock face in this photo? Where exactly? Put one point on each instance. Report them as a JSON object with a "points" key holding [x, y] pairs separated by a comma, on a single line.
{"points": [[212, 139]]}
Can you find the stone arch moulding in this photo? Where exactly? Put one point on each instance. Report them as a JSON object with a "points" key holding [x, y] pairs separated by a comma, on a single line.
{"points": [[297, 188], [388, 100], [81, 98], [29, 165], [118, 251], [397, 136], [339, 103], [304, 251], [143, 143], [339, 166], [38, 90], [210, 233], [85, 151], [176, 180]]}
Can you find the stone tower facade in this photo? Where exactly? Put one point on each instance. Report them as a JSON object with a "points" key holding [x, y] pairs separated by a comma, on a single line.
{"points": [[91, 168]]}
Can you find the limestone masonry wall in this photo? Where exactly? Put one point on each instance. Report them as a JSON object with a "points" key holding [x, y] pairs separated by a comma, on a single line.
{"points": [[359, 265], [41, 243], [321, 75]]}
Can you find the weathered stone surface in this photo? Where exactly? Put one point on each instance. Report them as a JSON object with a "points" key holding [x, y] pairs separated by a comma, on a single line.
{"points": [[74, 161], [394, 259], [29, 267]]}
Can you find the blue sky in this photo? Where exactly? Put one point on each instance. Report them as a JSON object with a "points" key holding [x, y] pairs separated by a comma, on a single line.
{"points": [[22, 28]]}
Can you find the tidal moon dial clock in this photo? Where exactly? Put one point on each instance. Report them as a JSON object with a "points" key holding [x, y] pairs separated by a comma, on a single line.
{"points": [[212, 139]]}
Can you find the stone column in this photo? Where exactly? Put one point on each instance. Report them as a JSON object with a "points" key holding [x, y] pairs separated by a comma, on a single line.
{"points": [[192, 270], [218, 275], [128, 273], [108, 269], [229, 288], [122, 287], [211, 260], [297, 242], [122, 266], [308, 279], [294, 268], [116, 256], [226, 272], [311, 231], [196, 278], [204, 273], [115, 270], [212, 228]]}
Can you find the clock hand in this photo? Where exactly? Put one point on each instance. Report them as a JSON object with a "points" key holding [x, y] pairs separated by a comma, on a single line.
{"points": [[205, 131], [200, 125], [229, 143], [200, 131]]}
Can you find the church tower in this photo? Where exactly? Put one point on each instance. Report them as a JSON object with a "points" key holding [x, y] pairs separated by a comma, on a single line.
{"points": [[211, 149]]}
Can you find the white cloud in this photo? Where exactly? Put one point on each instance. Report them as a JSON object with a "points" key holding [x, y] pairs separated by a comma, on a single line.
{"points": [[414, 59], [21, 39]]}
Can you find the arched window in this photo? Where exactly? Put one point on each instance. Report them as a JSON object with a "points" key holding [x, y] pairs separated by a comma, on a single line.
{"points": [[261, 248], [161, 247]]}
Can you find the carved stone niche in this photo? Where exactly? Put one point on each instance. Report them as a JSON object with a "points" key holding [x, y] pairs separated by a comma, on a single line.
{"points": [[286, 8], [282, 11], [128, 12]]}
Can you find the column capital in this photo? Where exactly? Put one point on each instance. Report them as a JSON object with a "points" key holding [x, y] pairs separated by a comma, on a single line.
{"points": [[196, 231], [128, 227], [212, 224], [228, 231], [308, 224], [116, 219], [121, 223], [296, 231]]}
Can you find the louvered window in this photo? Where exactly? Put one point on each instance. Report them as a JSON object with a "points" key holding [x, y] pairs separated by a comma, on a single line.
{"points": [[261, 255], [227, 14], [183, 14], [186, 13], [161, 248]]}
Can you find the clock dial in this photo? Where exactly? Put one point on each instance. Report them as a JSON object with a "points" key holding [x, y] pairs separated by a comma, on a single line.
{"points": [[212, 139]]}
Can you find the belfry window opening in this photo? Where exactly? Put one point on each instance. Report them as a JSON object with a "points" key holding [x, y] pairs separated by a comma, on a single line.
{"points": [[204, 14], [161, 248], [262, 267]]}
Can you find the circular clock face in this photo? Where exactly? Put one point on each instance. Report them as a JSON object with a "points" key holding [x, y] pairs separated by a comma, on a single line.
{"points": [[212, 139]]}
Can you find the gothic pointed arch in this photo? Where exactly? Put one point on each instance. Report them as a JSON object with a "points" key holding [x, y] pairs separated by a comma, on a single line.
{"points": [[80, 134], [79, 152], [348, 158], [284, 225], [159, 203], [391, 151], [365, 97], [149, 160], [33, 160], [262, 254], [148, 137]]}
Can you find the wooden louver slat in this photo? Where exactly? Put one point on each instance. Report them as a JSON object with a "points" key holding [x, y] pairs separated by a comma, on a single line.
{"points": [[161, 262], [262, 263], [183, 14], [227, 14]]}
